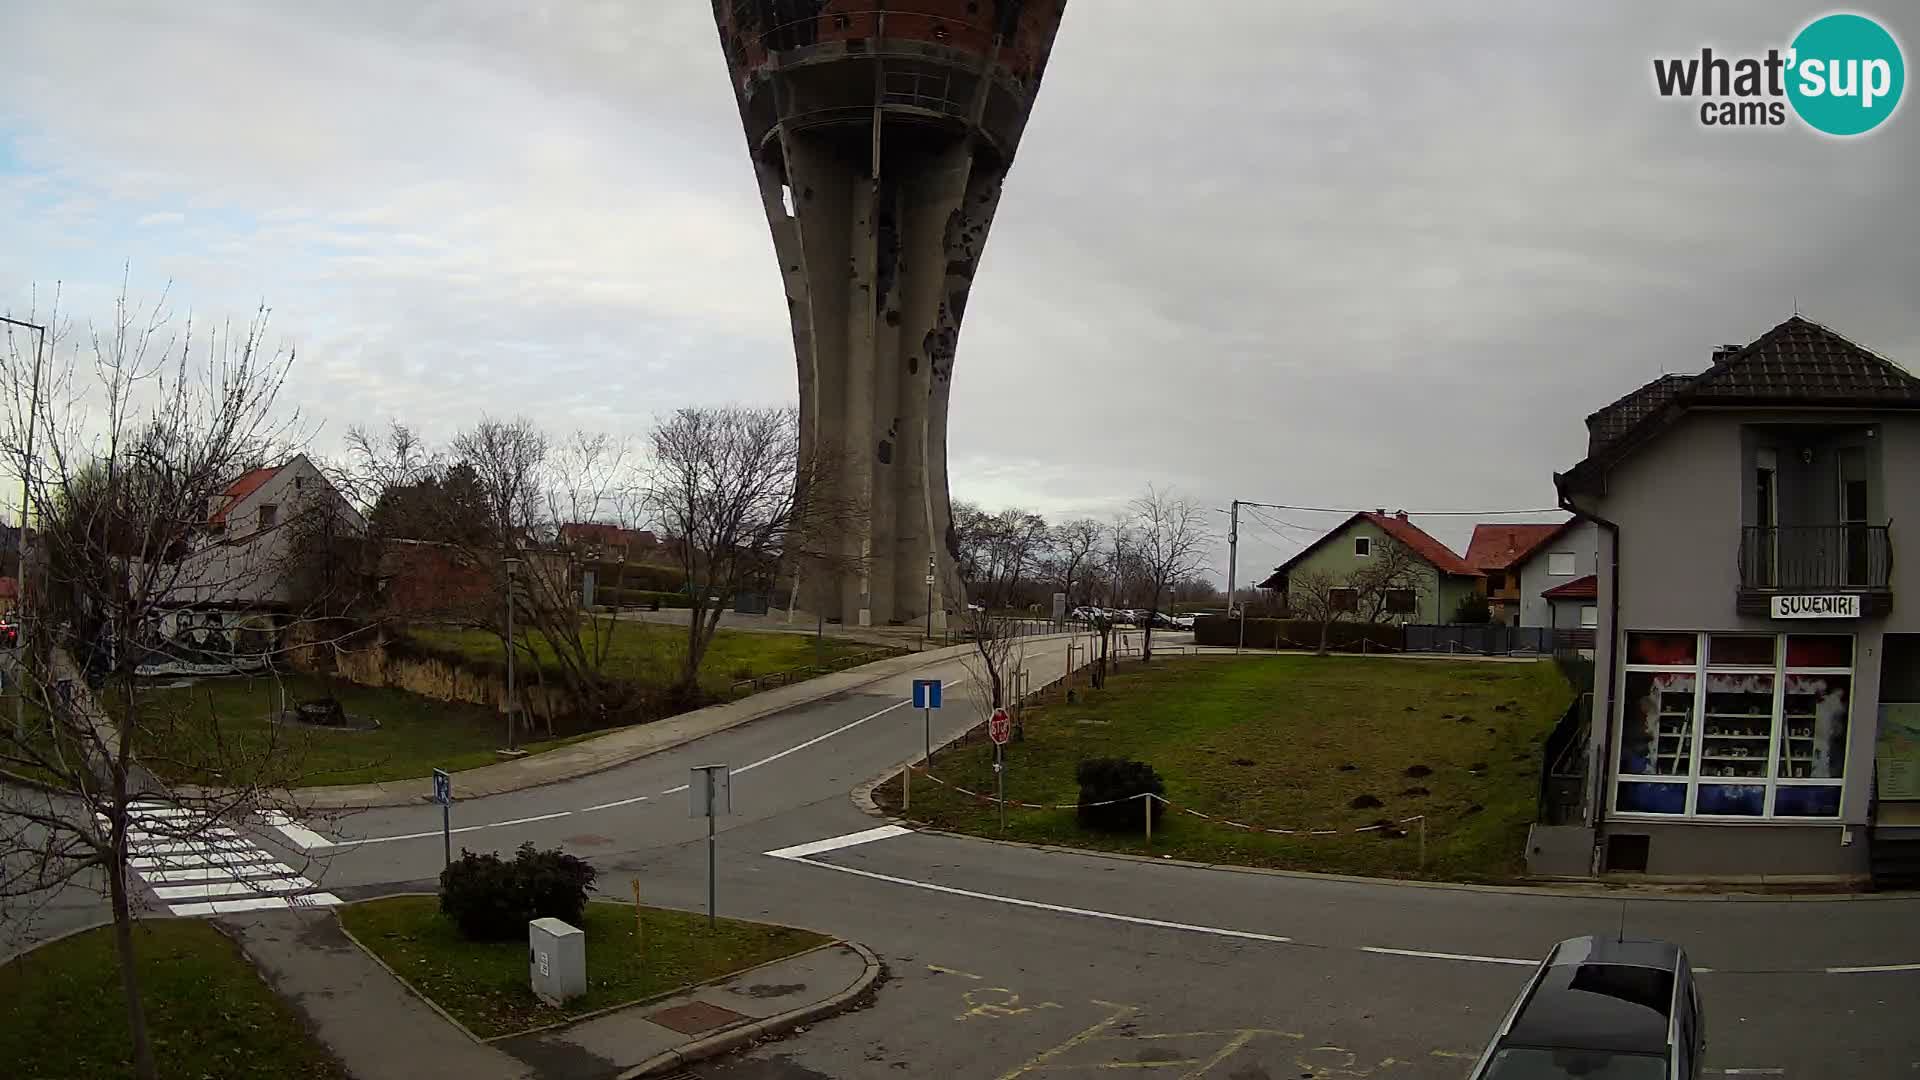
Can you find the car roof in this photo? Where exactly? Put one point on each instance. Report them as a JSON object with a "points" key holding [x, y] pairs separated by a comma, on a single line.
{"points": [[1601, 994]]}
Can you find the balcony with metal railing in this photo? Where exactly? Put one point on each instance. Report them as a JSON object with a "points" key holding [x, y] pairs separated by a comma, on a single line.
{"points": [[1827, 560]]}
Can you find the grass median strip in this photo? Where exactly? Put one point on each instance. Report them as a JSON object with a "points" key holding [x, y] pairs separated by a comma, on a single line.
{"points": [[1287, 742], [484, 984], [208, 1012]]}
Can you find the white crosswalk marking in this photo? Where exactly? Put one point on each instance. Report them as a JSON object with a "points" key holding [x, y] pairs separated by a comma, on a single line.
{"points": [[198, 868]]}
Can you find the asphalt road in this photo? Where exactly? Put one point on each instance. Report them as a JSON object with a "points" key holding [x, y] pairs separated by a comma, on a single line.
{"points": [[1006, 961]]}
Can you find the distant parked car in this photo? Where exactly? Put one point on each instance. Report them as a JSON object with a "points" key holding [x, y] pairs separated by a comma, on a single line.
{"points": [[1602, 1009], [1183, 622]]}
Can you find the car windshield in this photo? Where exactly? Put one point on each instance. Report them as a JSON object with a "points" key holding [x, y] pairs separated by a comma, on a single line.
{"points": [[1534, 1063]]}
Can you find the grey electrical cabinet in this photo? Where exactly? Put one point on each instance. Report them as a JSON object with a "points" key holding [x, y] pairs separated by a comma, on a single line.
{"points": [[556, 960]]}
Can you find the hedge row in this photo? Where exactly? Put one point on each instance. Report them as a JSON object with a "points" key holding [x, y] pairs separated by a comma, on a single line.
{"points": [[638, 576], [639, 598], [1301, 634]]}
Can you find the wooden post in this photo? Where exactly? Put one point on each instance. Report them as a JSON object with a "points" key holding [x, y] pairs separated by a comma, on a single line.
{"points": [[1147, 801], [1423, 841], [639, 924]]}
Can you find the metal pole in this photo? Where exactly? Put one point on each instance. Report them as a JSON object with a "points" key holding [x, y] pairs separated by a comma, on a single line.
{"points": [[906, 788], [929, 634], [711, 871], [1147, 801], [1000, 778], [1423, 841], [26, 496], [927, 716], [446, 831]]}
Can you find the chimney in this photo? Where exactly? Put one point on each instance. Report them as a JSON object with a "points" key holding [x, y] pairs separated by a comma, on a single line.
{"points": [[1381, 510], [1402, 515]]}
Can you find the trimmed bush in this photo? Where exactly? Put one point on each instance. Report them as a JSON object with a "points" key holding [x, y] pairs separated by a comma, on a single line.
{"points": [[491, 899], [1103, 780]]}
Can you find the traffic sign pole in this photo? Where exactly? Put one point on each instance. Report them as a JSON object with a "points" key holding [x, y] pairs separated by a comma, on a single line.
{"points": [[1000, 777], [927, 714], [443, 794]]}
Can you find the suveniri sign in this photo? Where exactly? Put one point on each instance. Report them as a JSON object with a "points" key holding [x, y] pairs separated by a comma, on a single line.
{"points": [[1816, 607]]}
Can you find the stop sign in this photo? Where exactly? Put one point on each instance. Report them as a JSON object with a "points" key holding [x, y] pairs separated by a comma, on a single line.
{"points": [[999, 727]]}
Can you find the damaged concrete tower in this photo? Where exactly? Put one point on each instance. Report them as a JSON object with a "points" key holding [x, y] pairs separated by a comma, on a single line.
{"points": [[881, 131]]}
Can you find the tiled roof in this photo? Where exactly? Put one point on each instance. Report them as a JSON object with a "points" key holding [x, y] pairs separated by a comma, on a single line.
{"points": [[1415, 538], [1422, 543], [1618, 418], [248, 483], [1798, 362], [1499, 546], [1585, 588]]}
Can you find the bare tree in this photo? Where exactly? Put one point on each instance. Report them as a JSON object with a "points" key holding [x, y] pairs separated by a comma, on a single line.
{"points": [[1076, 545], [1391, 583], [137, 436], [1171, 539], [1319, 597], [725, 487]]}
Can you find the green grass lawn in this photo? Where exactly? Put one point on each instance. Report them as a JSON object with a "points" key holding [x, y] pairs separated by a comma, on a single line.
{"points": [[484, 984], [208, 1013], [226, 720], [1287, 742], [651, 654]]}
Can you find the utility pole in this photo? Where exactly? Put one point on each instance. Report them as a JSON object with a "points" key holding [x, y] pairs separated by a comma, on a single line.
{"points": [[928, 638], [1233, 570], [512, 740], [20, 552]]}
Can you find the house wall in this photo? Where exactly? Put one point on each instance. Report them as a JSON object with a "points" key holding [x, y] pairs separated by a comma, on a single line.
{"points": [[244, 565], [1434, 602], [1679, 503], [1452, 591], [1583, 542]]}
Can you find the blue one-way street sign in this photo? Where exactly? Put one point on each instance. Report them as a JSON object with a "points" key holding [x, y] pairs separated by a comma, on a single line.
{"points": [[926, 693]]}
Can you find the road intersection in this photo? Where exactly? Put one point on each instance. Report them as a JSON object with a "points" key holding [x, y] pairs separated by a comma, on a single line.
{"points": [[1011, 961]]}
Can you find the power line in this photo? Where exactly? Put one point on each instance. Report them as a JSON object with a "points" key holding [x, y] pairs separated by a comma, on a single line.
{"points": [[1411, 513]]}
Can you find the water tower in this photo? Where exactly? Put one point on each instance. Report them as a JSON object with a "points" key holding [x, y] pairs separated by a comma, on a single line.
{"points": [[881, 131]]}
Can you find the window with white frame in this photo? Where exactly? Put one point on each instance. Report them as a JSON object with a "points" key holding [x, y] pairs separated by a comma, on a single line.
{"points": [[1589, 616], [1362, 546], [1734, 725], [1560, 564]]}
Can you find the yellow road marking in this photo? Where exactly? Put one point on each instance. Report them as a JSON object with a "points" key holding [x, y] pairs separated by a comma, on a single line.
{"points": [[1009, 1006], [1120, 1012], [938, 970]]}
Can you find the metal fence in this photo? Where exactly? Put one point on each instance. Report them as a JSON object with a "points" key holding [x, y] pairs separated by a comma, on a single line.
{"points": [[1481, 639]]}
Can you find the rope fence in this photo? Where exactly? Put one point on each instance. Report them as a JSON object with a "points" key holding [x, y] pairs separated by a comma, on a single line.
{"points": [[1417, 820]]}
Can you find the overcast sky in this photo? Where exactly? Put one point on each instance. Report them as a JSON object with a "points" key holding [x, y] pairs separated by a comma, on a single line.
{"points": [[1334, 254]]}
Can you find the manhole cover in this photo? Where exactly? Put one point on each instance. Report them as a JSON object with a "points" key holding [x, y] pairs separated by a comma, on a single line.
{"points": [[695, 1017]]}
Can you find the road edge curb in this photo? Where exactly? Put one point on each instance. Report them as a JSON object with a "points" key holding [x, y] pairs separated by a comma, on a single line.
{"points": [[921, 660], [734, 1038]]}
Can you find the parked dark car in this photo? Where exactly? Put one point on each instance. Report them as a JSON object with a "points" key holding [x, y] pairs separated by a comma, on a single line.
{"points": [[1602, 1009]]}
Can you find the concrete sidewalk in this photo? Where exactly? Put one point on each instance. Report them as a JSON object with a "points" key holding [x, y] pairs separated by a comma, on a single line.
{"points": [[663, 1035], [362, 1014], [627, 744], [379, 1029]]}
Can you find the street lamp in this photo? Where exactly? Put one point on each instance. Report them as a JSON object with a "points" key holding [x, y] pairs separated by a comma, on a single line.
{"points": [[512, 564], [26, 483]]}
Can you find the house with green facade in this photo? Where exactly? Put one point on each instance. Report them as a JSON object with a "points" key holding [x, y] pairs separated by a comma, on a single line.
{"points": [[1382, 568]]}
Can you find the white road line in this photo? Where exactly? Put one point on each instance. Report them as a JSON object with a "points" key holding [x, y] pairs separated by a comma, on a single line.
{"points": [[1450, 956], [191, 859], [1750, 1072], [835, 843], [215, 873], [212, 847], [299, 834], [611, 805], [1014, 901], [1871, 968], [769, 759], [436, 832], [675, 790], [207, 890], [256, 903]]}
